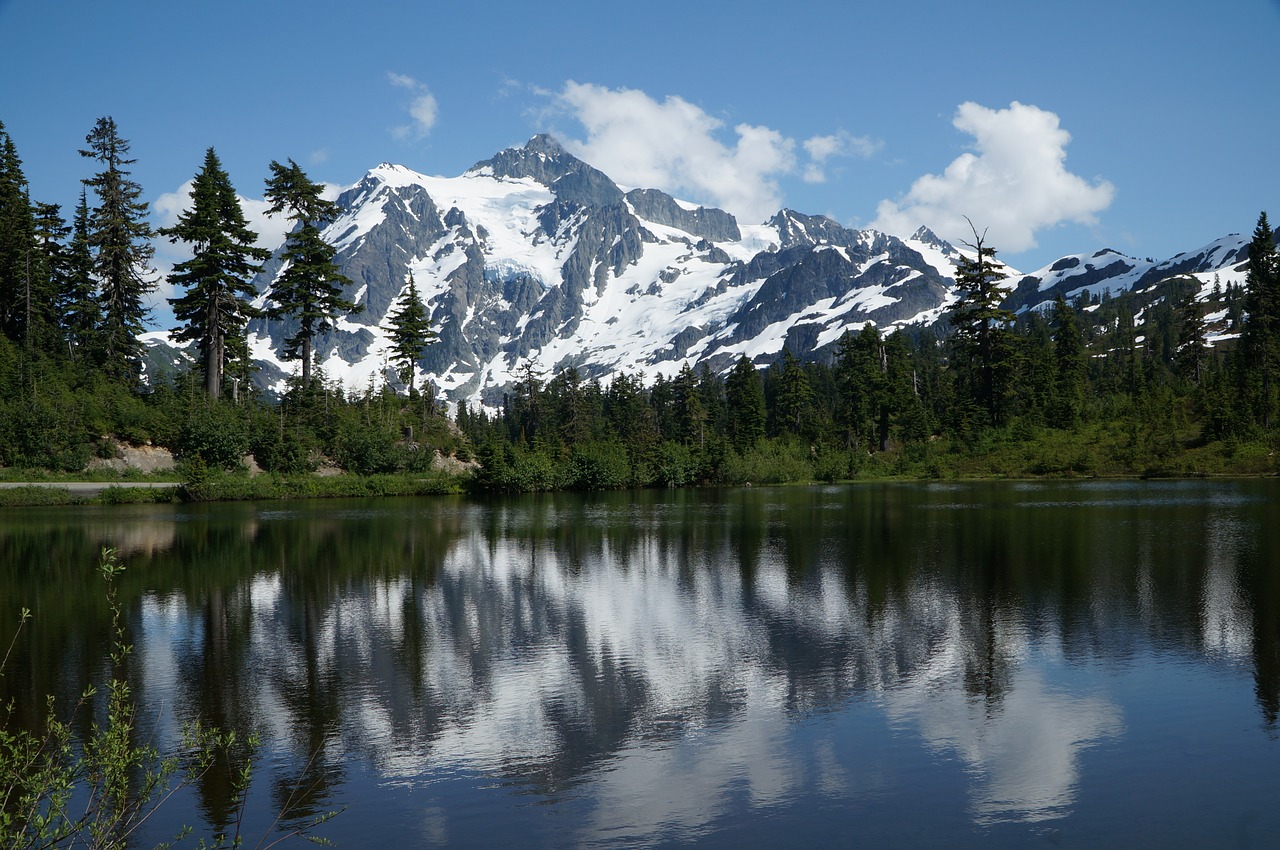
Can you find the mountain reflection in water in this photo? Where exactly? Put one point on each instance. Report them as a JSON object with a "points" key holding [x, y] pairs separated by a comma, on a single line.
{"points": [[661, 666]]}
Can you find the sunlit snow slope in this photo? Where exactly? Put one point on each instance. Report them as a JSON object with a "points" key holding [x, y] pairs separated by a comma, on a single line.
{"points": [[535, 257]]}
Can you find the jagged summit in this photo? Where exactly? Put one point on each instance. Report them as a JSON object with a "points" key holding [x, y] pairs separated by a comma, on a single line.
{"points": [[544, 143]]}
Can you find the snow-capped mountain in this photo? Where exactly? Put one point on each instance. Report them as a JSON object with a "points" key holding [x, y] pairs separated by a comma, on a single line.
{"points": [[535, 256]]}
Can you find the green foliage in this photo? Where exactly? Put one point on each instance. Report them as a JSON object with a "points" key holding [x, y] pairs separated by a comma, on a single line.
{"points": [[230, 487], [119, 237], [597, 466], [367, 451], [309, 289], [983, 341], [279, 450], [215, 307], [215, 435], [44, 432], [776, 461], [61, 789], [410, 329], [744, 399], [675, 465]]}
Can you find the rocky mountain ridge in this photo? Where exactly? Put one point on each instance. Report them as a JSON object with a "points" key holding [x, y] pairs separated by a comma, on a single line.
{"points": [[535, 257]]}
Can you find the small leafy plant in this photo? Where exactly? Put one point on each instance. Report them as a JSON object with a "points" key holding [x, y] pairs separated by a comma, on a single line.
{"points": [[57, 790]]}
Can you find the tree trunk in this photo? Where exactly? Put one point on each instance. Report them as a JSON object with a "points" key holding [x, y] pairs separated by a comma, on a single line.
{"points": [[213, 367], [306, 363]]}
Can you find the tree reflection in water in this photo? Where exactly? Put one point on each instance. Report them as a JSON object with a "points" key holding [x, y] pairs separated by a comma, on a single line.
{"points": [[661, 661]]}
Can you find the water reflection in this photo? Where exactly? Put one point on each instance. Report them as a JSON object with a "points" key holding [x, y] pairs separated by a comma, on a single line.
{"points": [[662, 663]]}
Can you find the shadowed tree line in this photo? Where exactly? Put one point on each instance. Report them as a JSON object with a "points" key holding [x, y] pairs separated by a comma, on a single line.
{"points": [[1126, 384]]}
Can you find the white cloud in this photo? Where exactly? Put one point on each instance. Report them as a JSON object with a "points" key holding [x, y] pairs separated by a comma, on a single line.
{"points": [[423, 108], [843, 144], [673, 145], [1013, 184]]}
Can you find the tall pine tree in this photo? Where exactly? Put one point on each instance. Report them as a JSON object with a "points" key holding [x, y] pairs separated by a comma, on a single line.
{"points": [[43, 315], [120, 238], [983, 338], [17, 242], [744, 400], [410, 329], [1261, 338], [309, 288], [795, 395], [1193, 349], [1069, 359], [215, 308], [77, 298]]}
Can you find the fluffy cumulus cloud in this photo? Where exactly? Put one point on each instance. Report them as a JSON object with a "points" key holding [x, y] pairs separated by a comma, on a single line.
{"points": [[822, 148], [423, 108], [675, 146], [1013, 184]]}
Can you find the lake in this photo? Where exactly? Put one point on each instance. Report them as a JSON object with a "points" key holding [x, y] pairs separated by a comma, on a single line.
{"points": [[992, 664]]}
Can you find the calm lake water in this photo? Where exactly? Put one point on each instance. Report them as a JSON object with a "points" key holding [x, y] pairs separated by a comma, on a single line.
{"points": [[934, 665]]}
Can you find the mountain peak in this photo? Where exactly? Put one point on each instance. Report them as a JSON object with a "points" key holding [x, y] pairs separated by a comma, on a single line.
{"points": [[545, 144], [928, 237], [796, 228], [542, 159]]}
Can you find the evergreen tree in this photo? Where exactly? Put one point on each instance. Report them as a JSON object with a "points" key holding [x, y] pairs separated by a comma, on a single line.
{"points": [[569, 408], [17, 242], [1261, 337], [120, 239], [662, 402], [43, 315], [794, 395], [77, 301], [309, 288], [861, 374], [410, 329], [691, 414], [1069, 359], [629, 416], [525, 414], [711, 393], [1038, 373], [744, 399], [1193, 350], [215, 308], [983, 340]]}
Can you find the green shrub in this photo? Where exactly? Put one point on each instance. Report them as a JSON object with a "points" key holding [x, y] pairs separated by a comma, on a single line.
{"points": [[773, 461], [216, 434], [281, 450], [367, 450], [597, 466]]}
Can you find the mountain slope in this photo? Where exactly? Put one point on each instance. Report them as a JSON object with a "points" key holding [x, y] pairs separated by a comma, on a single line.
{"points": [[534, 256]]}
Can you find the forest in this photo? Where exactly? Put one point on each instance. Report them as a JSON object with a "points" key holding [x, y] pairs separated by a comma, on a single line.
{"points": [[1170, 380]]}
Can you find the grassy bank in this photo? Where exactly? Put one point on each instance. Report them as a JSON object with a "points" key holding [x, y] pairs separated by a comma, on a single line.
{"points": [[1089, 452], [234, 487]]}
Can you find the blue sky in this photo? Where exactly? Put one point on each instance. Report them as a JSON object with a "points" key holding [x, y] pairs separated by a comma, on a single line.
{"points": [[1151, 128]]}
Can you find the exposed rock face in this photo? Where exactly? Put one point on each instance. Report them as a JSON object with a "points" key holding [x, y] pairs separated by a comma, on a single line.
{"points": [[144, 459], [660, 208]]}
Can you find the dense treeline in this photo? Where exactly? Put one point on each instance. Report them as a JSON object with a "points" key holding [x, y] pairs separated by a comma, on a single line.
{"points": [[76, 381], [1106, 385], [1124, 385]]}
